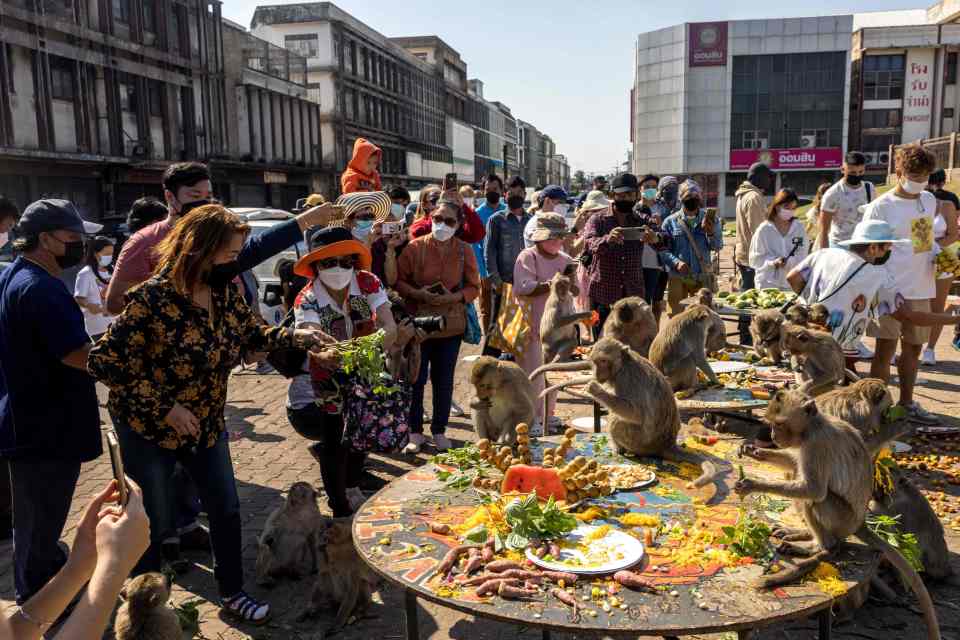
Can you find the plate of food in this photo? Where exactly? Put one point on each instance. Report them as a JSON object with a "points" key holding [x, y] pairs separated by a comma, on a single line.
{"points": [[729, 366], [629, 476], [592, 550]]}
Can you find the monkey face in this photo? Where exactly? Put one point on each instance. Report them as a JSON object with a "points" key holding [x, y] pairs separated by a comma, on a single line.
{"points": [[876, 394], [788, 414], [705, 297], [300, 494], [486, 377], [486, 387], [561, 286], [148, 591]]}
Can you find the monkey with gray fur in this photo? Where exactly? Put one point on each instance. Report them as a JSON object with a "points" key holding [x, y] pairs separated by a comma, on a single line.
{"points": [[681, 348], [766, 328], [644, 419], [631, 321], [144, 615], [862, 405], [558, 326], [816, 357], [504, 399], [287, 546], [717, 336], [831, 487]]}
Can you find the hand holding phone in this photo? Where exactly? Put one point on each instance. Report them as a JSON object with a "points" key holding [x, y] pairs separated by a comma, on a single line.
{"points": [[390, 228], [451, 182], [116, 461]]}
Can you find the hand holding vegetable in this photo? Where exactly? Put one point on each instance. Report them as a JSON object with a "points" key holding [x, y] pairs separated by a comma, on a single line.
{"points": [[328, 359], [311, 339]]}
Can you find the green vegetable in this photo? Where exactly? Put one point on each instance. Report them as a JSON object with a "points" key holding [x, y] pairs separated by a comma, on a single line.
{"points": [[740, 470], [363, 357], [749, 538], [888, 528], [468, 464], [478, 534], [528, 520], [188, 615], [894, 413]]}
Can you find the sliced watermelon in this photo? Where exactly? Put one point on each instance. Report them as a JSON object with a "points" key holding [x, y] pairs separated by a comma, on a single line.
{"points": [[524, 478]]}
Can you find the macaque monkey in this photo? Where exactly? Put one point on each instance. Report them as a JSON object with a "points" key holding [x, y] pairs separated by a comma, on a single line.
{"points": [[862, 405], [819, 317], [797, 314], [558, 326], [717, 336], [832, 485], [504, 399], [681, 348], [817, 357], [766, 328], [144, 615], [343, 580], [287, 546], [644, 419]]}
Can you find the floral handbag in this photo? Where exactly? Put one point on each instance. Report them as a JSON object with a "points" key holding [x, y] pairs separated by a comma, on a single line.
{"points": [[373, 422]]}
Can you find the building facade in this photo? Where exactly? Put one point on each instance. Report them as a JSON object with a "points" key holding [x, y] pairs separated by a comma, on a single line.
{"points": [[533, 161], [710, 99], [496, 135]]}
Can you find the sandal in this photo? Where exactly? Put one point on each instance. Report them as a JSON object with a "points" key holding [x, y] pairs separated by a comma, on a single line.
{"points": [[245, 608]]}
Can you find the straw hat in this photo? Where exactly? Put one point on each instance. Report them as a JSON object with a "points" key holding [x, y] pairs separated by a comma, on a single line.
{"points": [[595, 201], [350, 203]]}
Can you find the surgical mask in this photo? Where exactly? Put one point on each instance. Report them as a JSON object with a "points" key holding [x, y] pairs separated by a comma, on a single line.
{"points": [[515, 202], [785, 214], [221, 275], [336, 278], [442, 232], [882, 260], [72, 254], [493, 198], [187, 207], [398, 211], [560, 209], [361, 229], [624, 206], [913, 188], [854, 181], [105, 261], [649, 194], [3, 238]]}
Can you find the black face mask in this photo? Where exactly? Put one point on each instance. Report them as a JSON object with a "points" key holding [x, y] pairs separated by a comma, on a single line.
{"points": [[624, 206], [73, 253], [854, 181], [691, 205], [187, 207], [493, 198], [669, 193], [221, 275], [882, 260], [515, 202]]}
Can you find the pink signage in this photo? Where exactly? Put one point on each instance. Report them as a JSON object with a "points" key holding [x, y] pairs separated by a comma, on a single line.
{"points": [[821, 158]]}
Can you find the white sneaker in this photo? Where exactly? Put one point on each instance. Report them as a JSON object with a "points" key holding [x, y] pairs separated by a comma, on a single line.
{"points": [[928, 358], [864, 352], [416, 441], [355, 497], [455, 410], [441, 442], [918, 414]]}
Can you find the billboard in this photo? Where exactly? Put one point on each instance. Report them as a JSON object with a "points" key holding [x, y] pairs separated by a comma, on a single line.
{"points": [[780, 159], [918, 95], [708, 44]]}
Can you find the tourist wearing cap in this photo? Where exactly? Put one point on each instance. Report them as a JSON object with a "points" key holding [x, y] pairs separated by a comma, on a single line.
{"points": [[532, 274], [688, 263], [167, 359], [49, 415], [751, 212], [438, 276], [614, 246], [853, 283], [667, 198], [343, 300], [552, 199], [361, 210], [779, 244]]}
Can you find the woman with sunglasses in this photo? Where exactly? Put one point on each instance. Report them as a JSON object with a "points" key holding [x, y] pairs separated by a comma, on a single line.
{"points": [[436, 270], [470, 229], [362, 210]]}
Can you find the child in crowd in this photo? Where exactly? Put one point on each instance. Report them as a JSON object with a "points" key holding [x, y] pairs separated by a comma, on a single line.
{"points": [[362, 173]]}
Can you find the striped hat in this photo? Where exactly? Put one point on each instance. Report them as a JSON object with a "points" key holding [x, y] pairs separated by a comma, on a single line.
{"points": [[350, 203]]}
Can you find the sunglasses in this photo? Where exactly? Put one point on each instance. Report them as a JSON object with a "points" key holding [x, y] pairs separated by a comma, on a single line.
{"points": [[434, 199], [364, 215], [346, 262], [450, 222]]}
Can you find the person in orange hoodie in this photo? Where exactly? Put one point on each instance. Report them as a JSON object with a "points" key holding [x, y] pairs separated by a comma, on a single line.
{"points": [[361, 173]]}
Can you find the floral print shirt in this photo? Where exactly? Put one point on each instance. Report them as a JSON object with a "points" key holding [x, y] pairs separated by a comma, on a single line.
{"points": [[163, 350]]}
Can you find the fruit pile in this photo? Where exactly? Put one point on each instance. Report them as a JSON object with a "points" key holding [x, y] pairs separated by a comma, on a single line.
{"points": [[936, 467], [948, 260], [555, 457], [754, 299], [584, 479]]}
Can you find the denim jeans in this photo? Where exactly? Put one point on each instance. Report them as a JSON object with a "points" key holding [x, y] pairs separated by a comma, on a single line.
{"points": [[42, 492], [438, 361], [211, 469], [747, 276]]}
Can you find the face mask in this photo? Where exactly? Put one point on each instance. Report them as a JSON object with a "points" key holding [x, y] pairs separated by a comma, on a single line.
{"points": [[691, 206], [221, 275], [913, 188], [854, 181], [72, 254], [105, 261], [398, 211], [493, 198], [882, 260], [669, 193], [336, 278], [442, 232], [515, 202], [785, 214], [187, 207], [362, 229], [649, 194], [552, 247], [560, 209], [624, 206]]}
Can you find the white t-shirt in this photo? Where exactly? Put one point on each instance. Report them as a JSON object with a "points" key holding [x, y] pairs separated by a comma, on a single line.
{"points": [[89, 288], [869, 294], [844, 202], [769, 245], [911, 264]]}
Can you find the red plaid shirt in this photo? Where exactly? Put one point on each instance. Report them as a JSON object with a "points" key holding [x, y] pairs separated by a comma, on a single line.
{"points": [[616, 270]]}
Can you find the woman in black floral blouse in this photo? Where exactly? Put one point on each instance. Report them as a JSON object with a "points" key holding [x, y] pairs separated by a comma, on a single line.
{"points": [[167, 360]]}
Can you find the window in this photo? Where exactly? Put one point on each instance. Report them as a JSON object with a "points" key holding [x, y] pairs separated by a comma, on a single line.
{"points": [[353, 57], [756, 139], [156, 99], [61, 79], [948, 112], [121, 11], [881, 118], [9, 70], [421, 56], [879, 143], [150, 15], [306, 44], [128, 96], [883, 77], [950, 72]]}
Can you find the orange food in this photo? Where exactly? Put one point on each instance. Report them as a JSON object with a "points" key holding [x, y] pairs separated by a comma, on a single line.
{"points": [[523, 478], [593, 320]]}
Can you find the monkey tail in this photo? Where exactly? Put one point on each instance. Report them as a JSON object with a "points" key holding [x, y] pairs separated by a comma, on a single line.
{"points": [[569, 383], [909, 575], [560, 366], [710, 472], [851, 376]]}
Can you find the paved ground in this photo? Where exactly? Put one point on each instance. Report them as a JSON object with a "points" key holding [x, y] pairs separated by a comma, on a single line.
{"points": [[268, 456]]}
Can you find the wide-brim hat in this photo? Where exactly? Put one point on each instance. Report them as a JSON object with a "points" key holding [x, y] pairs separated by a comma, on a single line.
{"points": [[549, 226], [595, 201], [330, 242], [377, 201], [873, 232]]}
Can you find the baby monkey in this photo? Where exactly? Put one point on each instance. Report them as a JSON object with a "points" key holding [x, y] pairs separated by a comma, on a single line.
{"points": [[817, 358], [144, 615]]}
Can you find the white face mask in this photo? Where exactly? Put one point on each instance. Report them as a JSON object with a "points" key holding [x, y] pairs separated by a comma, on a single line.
{"points": [[785, 214], [336, 278], [913, 188], [3, 238], [560, 209], [442, 232], [105, 261]]}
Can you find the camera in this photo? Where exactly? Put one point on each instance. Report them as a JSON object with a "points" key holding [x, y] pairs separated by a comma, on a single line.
{"points": [[390, 228], [430, 324]]}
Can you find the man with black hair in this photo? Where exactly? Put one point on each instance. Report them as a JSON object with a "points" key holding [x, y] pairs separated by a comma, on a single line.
{"points": [[751, 213], [400, 199], [503, 243], [840, 207], [144, 212], [492, 203], [8, 217], [599, 184]]}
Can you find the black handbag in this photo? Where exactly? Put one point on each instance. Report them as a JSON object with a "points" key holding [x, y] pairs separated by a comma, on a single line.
{"points": [[288, 361]]}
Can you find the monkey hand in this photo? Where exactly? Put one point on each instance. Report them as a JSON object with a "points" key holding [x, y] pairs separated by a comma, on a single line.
{"points": [[481, 405], [595, 388], [745, 487], [752, 451]]}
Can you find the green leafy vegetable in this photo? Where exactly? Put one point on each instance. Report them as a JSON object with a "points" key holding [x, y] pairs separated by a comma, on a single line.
{"points": [[188, 615], [364, 358], [888, 528], [748, 538], [478, 534], [894, 413], [528, 520], [468, 464]]}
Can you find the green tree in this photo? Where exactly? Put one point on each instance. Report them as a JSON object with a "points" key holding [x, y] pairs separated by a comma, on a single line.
{"points": [[579, 180]]}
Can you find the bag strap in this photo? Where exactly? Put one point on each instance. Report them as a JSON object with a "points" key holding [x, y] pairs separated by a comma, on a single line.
{"points": [[869, 187], [693, 245], [842, 284]]}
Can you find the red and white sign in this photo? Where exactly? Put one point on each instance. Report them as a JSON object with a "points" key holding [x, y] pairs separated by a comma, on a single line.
{"points": [[918, 97], [780, 159], [708, 44]]}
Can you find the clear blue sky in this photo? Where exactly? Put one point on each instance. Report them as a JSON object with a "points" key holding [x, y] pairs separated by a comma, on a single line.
{"points": [[566, 66]]}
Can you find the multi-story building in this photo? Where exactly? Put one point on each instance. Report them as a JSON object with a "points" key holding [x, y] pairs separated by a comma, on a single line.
{"points": [[496, 134], [367, 86], [531, 145], [562, 171]]}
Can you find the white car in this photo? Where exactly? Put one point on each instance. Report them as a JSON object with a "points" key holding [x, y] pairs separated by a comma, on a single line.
{"points": [[270, 292]]}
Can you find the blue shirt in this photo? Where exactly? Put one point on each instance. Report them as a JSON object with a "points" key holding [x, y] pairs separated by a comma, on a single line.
{"points": [[677, 244], [47, 409], [485, 211]]}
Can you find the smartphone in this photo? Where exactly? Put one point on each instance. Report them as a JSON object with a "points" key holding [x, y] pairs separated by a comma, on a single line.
{"points": [[450, 182], [390, 228], [437, 288], [113, 445]]}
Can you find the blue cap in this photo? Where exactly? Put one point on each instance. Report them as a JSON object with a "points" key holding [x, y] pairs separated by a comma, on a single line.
{"points": [[873, 232], [52, 215], [554, 192]]}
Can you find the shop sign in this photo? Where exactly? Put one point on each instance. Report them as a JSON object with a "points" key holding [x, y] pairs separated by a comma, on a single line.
{"points": [[780, 159]]}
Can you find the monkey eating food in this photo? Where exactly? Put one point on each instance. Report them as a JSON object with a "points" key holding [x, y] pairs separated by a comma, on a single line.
{"points": [[287, 546], [558, 326], [766, 328], [504, 399], [681, 348], [817, 358], [144, 615], [831, 485]]}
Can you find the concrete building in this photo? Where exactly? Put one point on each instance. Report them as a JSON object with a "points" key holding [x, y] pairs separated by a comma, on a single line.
{"points": [[709, 99], [533, 162], [562, 168], [496, 134]]}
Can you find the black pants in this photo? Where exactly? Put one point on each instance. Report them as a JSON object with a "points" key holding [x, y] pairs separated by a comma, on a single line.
{"points": [[340, 468], [487, 350], [747, 276]]}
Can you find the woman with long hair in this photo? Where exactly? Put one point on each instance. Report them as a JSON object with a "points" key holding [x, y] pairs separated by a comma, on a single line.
{"points": [[429, 198], [167, 359], [90, 289], [779, 244], [812, 224]]}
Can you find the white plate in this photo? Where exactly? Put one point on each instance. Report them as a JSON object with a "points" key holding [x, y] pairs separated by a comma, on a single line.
{"points": [[639, 485], [629, 549], [470, 358], [729, 366], [901, 447], [585, 423]]}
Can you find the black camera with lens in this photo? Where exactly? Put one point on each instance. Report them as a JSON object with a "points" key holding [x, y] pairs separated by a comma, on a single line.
{"points": [[430, 324]]}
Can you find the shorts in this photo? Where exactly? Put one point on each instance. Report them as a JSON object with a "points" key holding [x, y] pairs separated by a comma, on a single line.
{"points": [[654, 285], [889, 328]]}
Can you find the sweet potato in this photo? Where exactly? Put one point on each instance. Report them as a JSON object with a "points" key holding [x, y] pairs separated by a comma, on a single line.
{"points": [[636, 581]]}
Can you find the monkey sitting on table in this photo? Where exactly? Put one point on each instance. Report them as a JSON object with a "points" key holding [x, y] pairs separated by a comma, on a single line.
{"points": [[144, 615], [766, 327], [504, 399], [287, 546], [816, 357], [558, 326], [681, 348], [831, 486]]}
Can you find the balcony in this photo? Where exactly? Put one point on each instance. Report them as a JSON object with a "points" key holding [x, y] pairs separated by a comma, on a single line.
{"points": [[61, 9], [276, 62]]}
